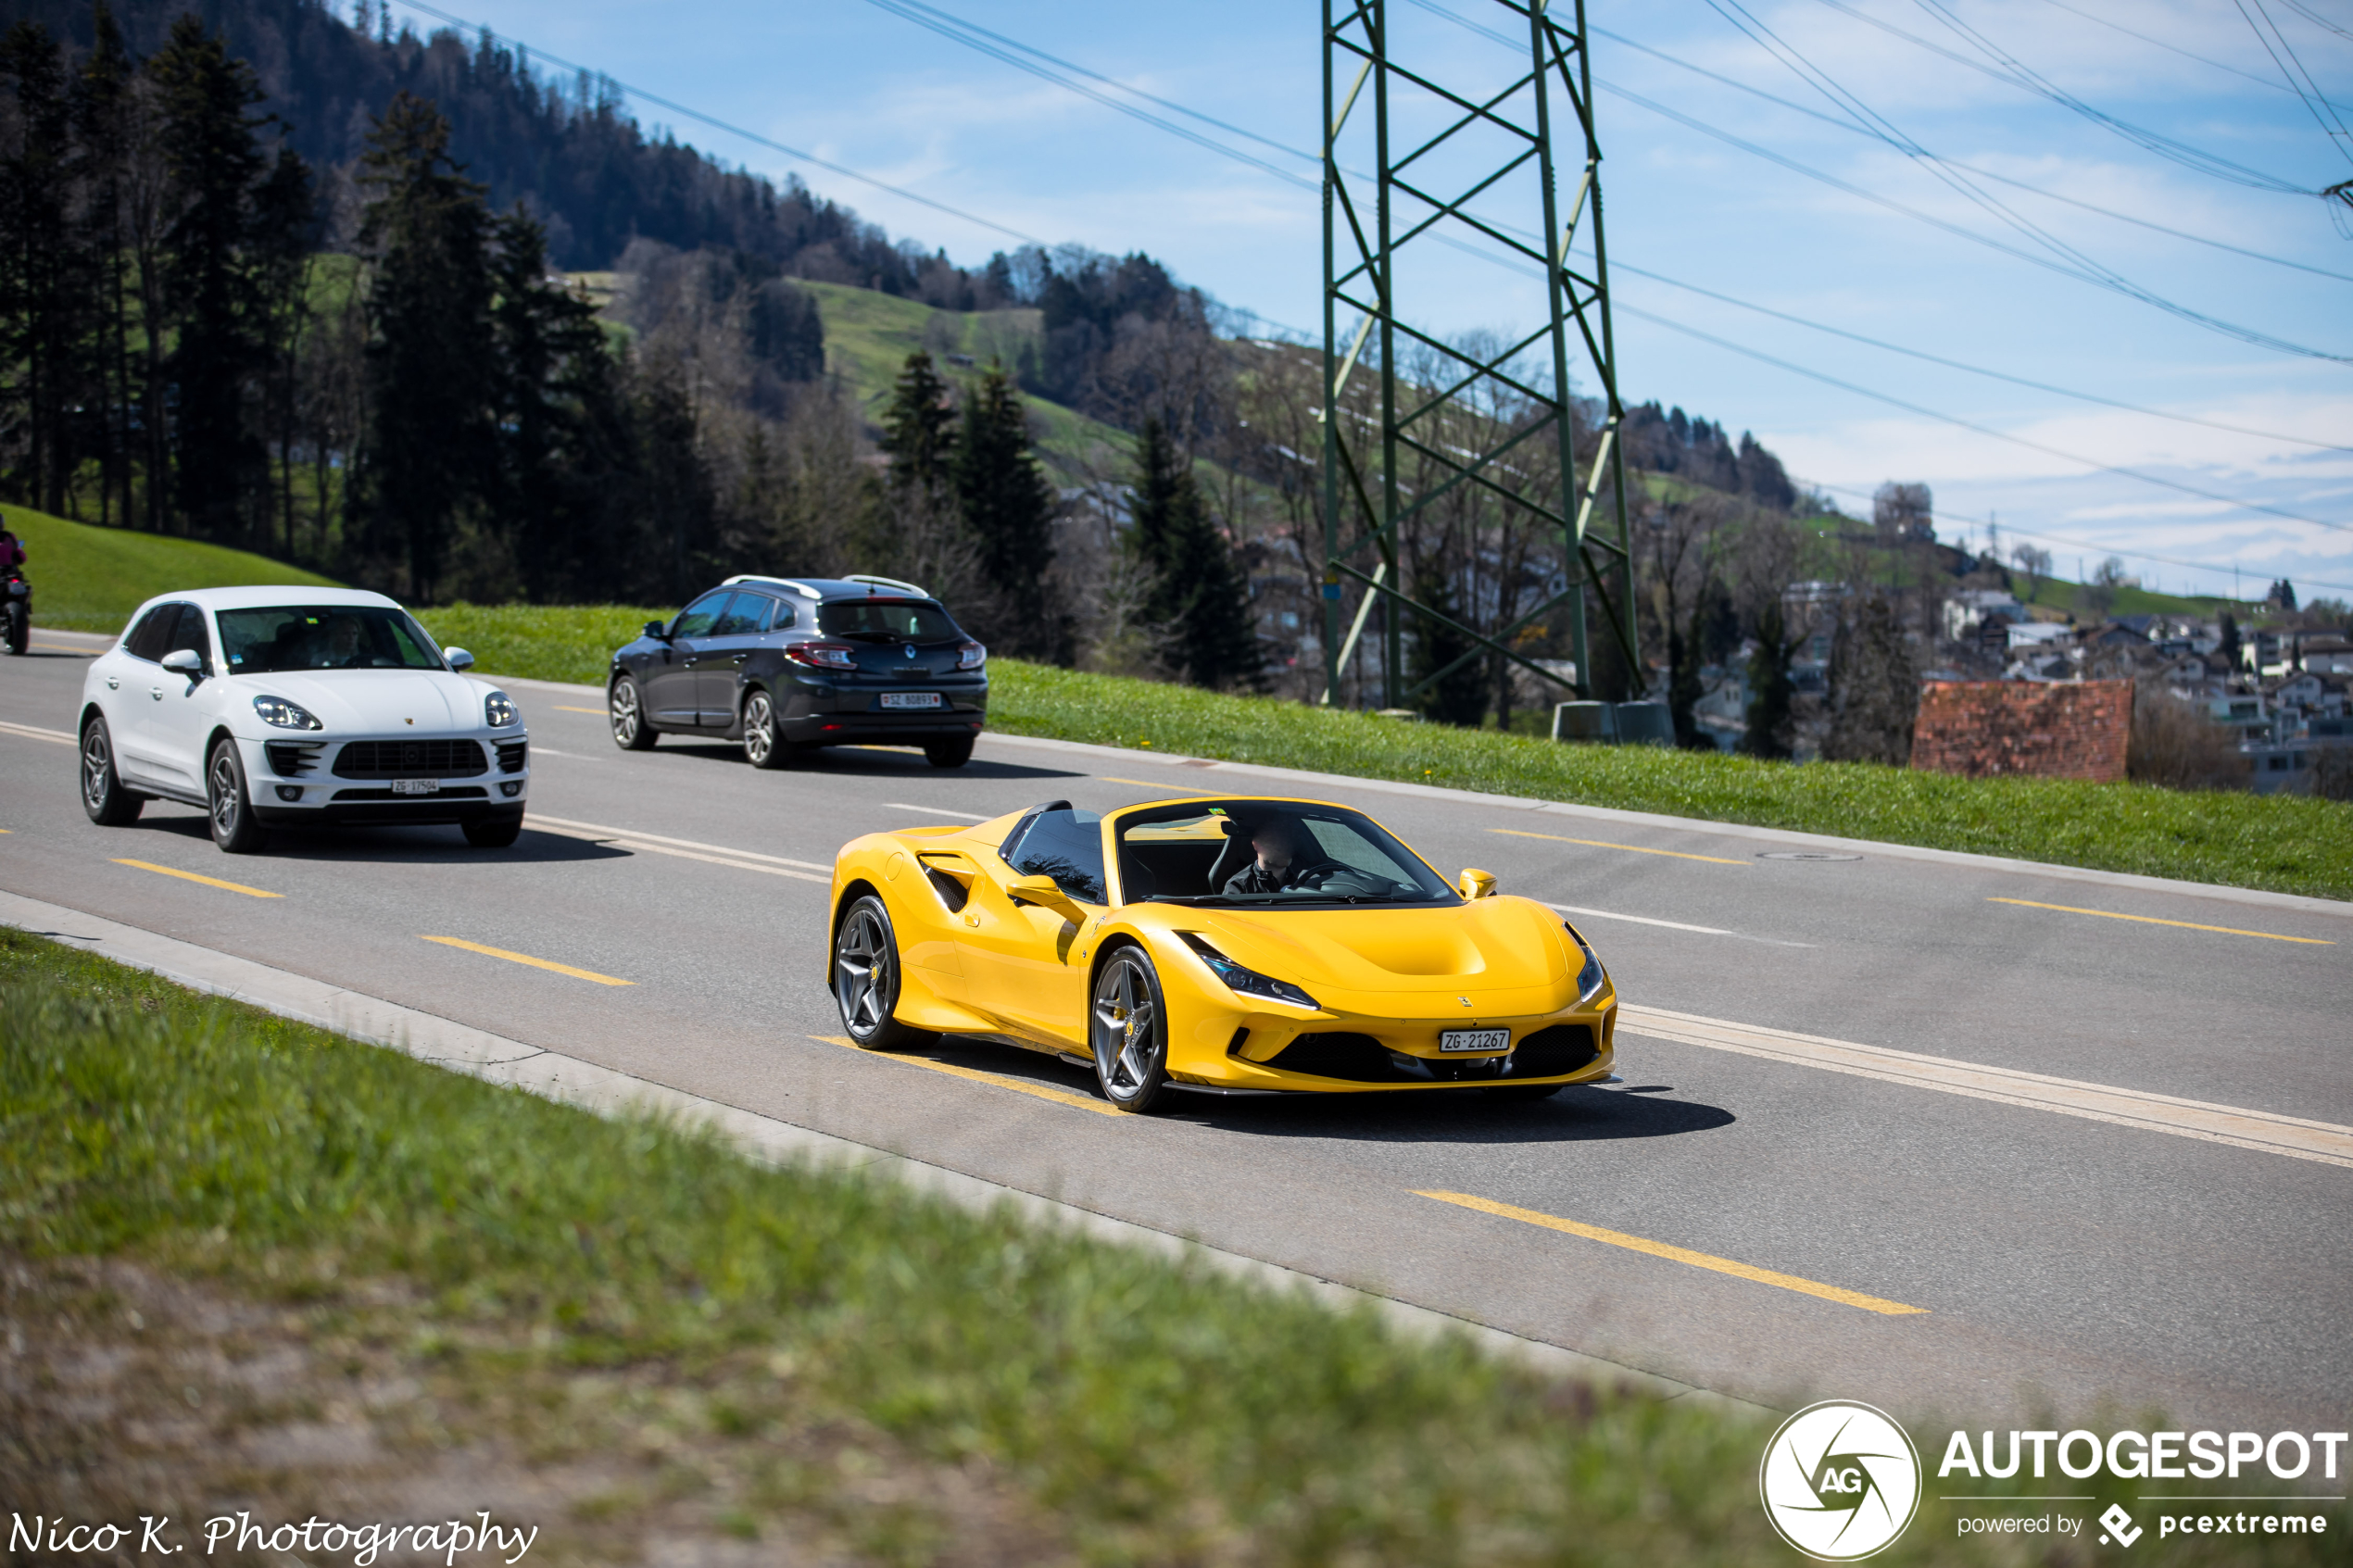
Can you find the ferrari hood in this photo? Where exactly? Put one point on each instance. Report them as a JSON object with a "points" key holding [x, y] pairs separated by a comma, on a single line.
{"points": [[376, 701], [1487, 945]]}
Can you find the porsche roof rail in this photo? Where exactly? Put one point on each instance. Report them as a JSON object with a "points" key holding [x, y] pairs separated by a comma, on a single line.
{"points": [[803, 589], [872, 582]]}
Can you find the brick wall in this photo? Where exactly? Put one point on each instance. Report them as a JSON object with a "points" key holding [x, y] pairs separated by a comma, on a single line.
{"points": [[2071, 730]]}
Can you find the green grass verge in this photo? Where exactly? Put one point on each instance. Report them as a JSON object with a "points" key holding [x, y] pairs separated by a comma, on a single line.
{"points": [[1156, 1411], [2290, 844], [90, 579]]}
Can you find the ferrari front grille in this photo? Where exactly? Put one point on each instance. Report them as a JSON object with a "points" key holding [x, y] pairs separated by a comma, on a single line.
{"points": [[411, 760], [1336, 1053], [1361, 1058], [1548, 1053]]}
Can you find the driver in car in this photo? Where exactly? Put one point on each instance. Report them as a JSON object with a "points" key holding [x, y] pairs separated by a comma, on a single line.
{"points": [[339, 647], [1276, 843]]}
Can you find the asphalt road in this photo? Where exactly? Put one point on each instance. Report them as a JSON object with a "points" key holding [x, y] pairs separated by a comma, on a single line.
{"points": [[2007, 1112]]}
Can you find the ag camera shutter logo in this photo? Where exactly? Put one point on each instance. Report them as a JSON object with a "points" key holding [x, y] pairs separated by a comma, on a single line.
{"points": [[1840, 1480]]}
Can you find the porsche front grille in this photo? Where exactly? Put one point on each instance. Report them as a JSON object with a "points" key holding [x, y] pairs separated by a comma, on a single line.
{"points": [[411, 760], [512, 755], [292, 758]]}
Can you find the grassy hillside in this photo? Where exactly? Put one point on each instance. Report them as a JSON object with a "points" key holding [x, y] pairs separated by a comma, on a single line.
{"points": [[90, 579], [2289, 842]]}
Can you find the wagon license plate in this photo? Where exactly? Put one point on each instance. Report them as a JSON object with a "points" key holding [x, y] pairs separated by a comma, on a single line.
{"points": [[416, 786], [1474, 1040], [910, 699]]}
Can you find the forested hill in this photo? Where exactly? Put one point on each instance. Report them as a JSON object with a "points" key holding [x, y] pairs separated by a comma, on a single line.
{"points": [[574, 156]]}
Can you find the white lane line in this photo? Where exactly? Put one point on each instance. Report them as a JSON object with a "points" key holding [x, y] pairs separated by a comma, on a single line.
{"points": [[938, 811], [2322, 1142], [1674, 925], [27, 732], [684, 849], [576, 755]]}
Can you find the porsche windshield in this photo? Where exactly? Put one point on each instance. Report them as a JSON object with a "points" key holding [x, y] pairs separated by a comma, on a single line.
{"points": [[1269, 852], [264, 641]]}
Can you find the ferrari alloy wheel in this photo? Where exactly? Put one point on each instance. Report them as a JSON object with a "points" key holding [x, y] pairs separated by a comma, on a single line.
{"points": [[867, 979], [630, 731], [233, 827], [1129, 1029], [109, 804], [763, 746]]}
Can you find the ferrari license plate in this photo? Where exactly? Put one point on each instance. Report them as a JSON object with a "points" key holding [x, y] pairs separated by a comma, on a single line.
{"points": [[1474, 1040], [910, 699], [416, 786]]}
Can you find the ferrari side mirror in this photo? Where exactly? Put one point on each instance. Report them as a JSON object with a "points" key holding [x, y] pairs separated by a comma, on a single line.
{"points": [[1044, 892], [1476, 884]]}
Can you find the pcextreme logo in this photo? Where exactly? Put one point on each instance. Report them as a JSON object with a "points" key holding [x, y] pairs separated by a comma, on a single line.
{"points": [[1840, 1480]]}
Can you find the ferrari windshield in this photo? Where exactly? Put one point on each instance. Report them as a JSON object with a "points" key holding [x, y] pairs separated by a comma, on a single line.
{"points": [[264, 641], [1269, 852]]}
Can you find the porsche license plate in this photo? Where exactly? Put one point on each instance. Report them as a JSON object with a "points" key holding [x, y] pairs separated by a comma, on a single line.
{"points": [[1474, 1040], [416, 786], [910, 699]]}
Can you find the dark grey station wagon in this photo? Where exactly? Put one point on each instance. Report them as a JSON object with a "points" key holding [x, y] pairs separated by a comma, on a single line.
{"points": [[787, 665]]}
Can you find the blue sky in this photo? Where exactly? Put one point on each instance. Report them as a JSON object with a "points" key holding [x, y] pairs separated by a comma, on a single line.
{"points": [[2191, 126]]}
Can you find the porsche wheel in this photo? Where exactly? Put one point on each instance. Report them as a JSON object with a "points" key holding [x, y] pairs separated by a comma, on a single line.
{"points": [[233, 827], [867, 979], [949, 753], [630, 731], [109, 804], [1129, 1029]]}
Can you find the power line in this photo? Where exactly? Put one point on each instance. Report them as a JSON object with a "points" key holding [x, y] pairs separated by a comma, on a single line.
{"points": [[1980, 430], [2061, 539], [2186, 53], [753, 136], [1983, 173], [1974, 369], [2292, 67]]}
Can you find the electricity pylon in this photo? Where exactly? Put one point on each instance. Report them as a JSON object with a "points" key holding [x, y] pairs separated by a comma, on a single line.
{"points": [[1472, 153]]}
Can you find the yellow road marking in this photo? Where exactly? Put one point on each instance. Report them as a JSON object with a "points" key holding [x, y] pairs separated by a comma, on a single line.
{"points": [[1634, 848], [2152, 920], [525, 957], [207, 880], [1146, 783], [1059, 1096], [1678, 1254], [567, 707]]}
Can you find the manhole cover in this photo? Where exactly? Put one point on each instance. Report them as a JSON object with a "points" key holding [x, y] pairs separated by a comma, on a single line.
{"points": [[1803, 855]]}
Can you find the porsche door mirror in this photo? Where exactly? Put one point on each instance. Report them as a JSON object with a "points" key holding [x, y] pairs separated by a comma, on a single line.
{"points": [[1476, 884], [185, 662], [458, 660], [1046, 894]]}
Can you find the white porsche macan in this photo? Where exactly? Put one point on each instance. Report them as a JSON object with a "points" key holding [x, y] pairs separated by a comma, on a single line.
{"points": [[292, 708]]}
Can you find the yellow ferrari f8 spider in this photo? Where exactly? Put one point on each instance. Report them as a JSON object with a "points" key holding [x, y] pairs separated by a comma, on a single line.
{"points": [[1234, 945]]}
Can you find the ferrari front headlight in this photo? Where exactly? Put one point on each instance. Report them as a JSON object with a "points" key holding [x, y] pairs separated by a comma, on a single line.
{"points": [[285, 715], [1245, 982], [1590, 978], [498, 711]]}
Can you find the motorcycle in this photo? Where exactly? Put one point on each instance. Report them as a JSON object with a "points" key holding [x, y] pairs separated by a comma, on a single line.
{"points": [[16, 610]]}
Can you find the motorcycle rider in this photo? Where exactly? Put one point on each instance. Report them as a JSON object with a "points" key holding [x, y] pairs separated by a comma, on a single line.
{"points": [[11, 550]]}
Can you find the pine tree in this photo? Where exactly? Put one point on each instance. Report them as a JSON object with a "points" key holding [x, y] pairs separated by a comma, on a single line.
{"points": [[1009, 508], [1199, 596], [1459, 696], [216, 282], [106, 114], [41, 286], [919, 427], [431, 358]]}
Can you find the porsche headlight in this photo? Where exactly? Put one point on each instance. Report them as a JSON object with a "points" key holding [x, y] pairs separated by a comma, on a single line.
{"points": [[285, 715], [1590, 978], [498, 711], [1249, 982]]}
